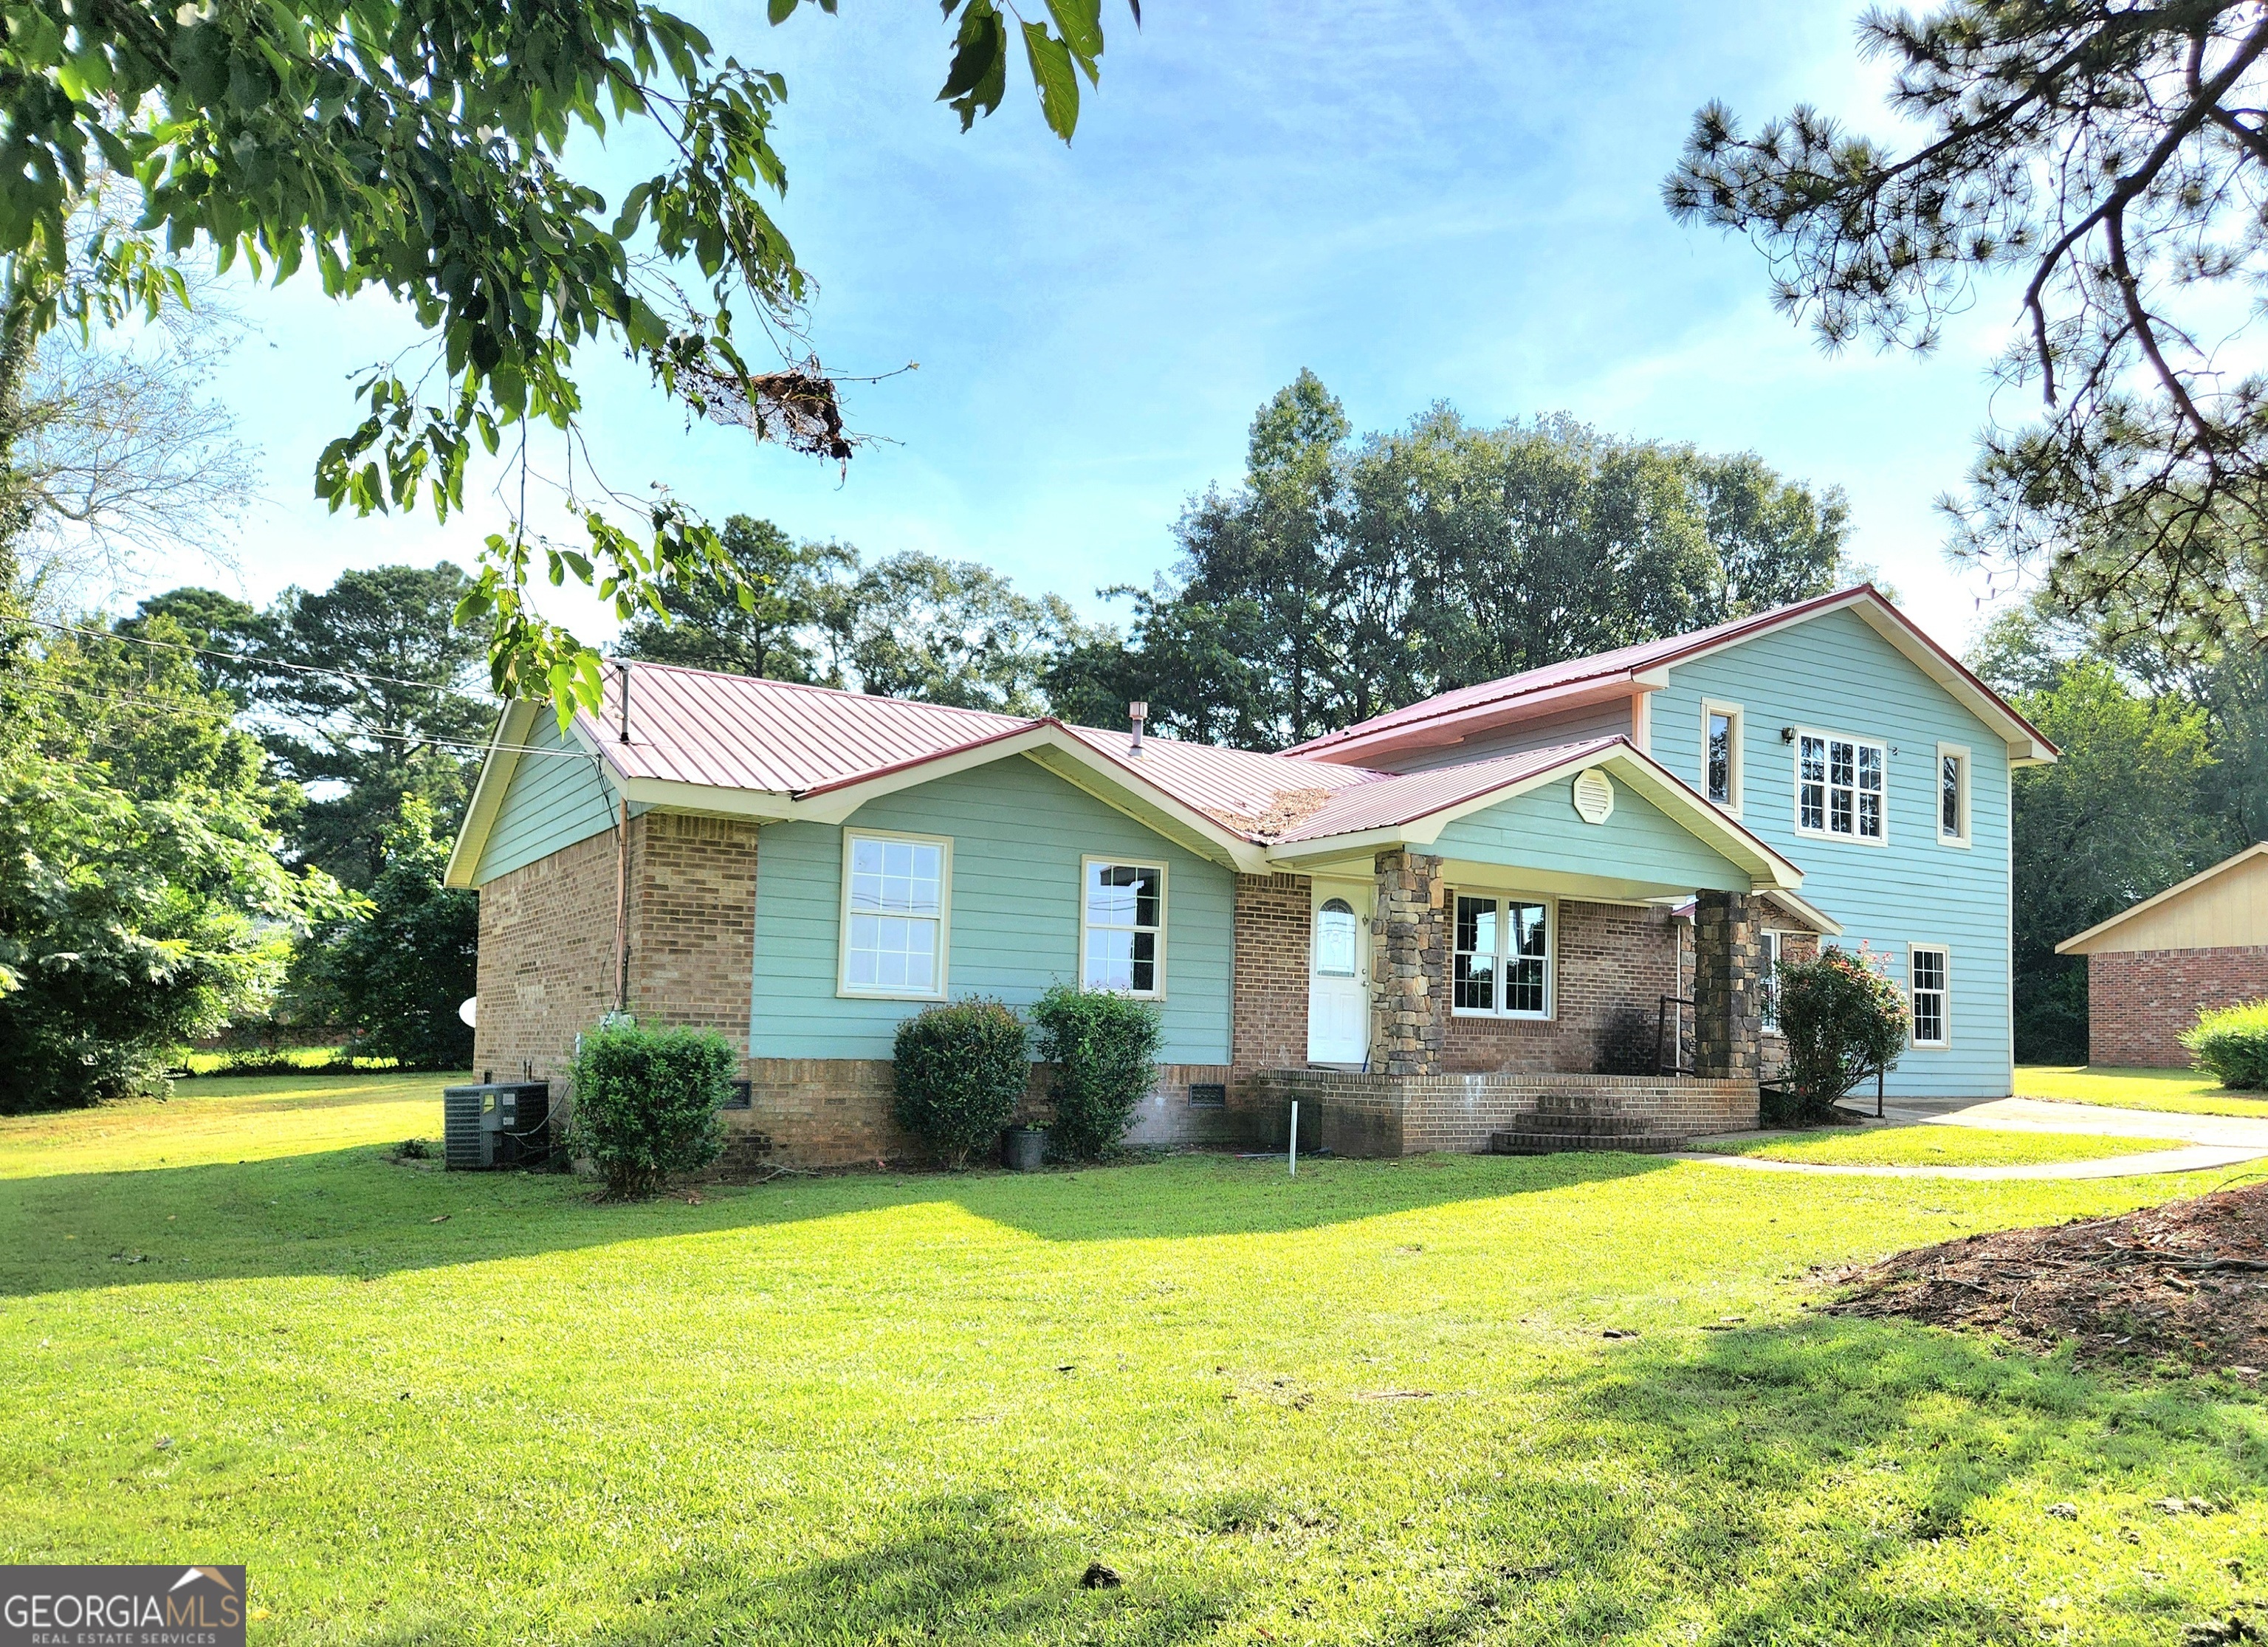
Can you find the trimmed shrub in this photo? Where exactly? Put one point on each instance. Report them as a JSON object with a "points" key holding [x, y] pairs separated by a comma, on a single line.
{"points": [[2232, 1042], [961, 1069], [1104, 1048], [1844, 1021], [648, 1103]]}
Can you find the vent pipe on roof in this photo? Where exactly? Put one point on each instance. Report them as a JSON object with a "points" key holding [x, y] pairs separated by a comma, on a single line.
{"points": [[624, 664], [1137, 711]]}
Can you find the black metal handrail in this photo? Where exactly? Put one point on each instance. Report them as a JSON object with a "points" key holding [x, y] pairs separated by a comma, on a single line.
{"points": [[1674, 1063]]}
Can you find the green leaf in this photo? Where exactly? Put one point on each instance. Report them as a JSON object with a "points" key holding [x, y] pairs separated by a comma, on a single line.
{"points": [[978, 76], [1079, 22], [1058, 80]]}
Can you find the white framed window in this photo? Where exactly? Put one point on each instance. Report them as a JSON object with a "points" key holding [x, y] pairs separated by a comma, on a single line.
{"points": [[1721, 730], [1929, 993], [1842, 787], [1122, 918], [896, 889], [1768, 1009], [1952, 792], [1503, 957]]}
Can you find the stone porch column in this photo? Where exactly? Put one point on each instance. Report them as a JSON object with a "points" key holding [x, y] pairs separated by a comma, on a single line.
{"points": [[1409, 964], [1728, 987]]}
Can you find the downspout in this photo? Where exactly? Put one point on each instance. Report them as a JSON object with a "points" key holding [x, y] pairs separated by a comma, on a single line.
{"points": [[623, 865]]}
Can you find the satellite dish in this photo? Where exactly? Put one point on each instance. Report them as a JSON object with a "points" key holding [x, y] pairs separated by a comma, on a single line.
{"points": [[467, 1009]]}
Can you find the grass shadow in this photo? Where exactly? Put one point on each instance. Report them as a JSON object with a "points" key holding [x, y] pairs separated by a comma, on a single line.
{"points": [[1824, 1480], [353, 1213]]}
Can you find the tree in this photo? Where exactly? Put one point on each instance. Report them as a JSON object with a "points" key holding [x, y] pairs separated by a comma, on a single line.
{"points": [[395, 970], [369, 690], [2112, 158], [954, 632], [791, 599], [2112, 822], [134, 705], [1345, 579], [431, 150]]}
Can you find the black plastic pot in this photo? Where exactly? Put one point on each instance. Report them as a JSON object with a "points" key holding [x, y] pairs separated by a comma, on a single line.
{"points": [[1026, 1147]]}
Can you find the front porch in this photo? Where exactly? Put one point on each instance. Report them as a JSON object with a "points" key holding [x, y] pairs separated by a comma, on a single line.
{"points": [[1371, 1115]]}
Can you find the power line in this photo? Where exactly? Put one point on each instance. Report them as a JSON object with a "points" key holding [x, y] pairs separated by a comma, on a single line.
{"points": [[242, 659], [115, 696]]}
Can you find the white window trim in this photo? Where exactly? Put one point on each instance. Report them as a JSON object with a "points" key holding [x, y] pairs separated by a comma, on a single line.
{"points": [[1165, 914], [1937, 795], [1730, 806], [1551, 1012], [1795, 787], [1945, 950], [846, 990], [1778, 945]]}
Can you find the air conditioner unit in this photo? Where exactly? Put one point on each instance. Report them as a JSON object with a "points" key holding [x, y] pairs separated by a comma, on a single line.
{"points": [[497, 1123]]}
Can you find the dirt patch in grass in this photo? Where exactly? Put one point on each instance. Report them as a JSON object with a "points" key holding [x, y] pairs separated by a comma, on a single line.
{"points": [[2186, 1282]]}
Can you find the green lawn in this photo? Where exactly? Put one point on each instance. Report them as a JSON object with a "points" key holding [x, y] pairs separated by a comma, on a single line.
{"points": [[1370, 1404], [2185, 1090], [1936, 1146]]}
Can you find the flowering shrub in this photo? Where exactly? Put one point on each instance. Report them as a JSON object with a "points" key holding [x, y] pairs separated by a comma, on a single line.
{"points": [[1845, 1021]]}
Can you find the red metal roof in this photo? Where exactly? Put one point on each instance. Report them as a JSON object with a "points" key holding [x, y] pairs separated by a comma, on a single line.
{"points": [[734, 732], [1491, 701]]}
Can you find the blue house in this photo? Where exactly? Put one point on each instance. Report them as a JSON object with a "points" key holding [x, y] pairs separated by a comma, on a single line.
{"points": [[1541, 908]]}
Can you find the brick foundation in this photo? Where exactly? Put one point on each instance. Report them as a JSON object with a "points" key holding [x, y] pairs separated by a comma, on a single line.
{"points": [[1373, 1115], [2139, 1001]]}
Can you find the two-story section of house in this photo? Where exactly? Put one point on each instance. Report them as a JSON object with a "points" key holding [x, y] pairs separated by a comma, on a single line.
{"points": [[1838, 733]]}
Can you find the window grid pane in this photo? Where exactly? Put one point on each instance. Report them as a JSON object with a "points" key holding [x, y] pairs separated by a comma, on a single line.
{"points": [[895, 930], [1928, 993], [1839, 788], [1769, 1010], [1948, 807], [1812, 789], [1125, 914], [1474, 981]]}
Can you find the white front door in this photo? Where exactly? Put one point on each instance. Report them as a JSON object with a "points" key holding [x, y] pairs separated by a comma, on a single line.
{"points": [[1338, 978]]}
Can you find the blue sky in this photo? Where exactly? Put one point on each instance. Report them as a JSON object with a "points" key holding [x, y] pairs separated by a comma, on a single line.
{"points": [[1420, 202]]}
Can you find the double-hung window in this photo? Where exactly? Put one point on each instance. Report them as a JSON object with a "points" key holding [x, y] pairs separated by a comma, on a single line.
{"points": [[1929, 993], [1951, 795], [1123, 928], [1840, 787], [1503, 957], [1720, 755], [895, 889]]}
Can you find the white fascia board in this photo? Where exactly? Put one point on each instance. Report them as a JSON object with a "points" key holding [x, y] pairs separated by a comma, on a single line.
{"points": [[497, 768], [1825, 923]]}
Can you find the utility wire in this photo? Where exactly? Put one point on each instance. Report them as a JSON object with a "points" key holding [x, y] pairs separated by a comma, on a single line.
{"points": [[116, 696], [242, 659]]}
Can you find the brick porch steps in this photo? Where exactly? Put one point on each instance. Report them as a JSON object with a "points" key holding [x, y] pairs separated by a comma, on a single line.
{"points": [[1632, 1141]]}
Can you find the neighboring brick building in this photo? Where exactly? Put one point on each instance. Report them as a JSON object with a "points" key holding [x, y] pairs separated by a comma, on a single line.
{"points": [[1455, 904], [2152, 969]]}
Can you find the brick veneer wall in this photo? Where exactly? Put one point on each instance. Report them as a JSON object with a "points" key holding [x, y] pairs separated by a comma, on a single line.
{"points": [[1614, 965], [547, 960], [1388, 1115], [693, 922], [1268, 1025], [2138, 1002]]}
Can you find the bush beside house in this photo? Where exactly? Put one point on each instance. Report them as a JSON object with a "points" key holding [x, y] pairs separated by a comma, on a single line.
{"points": [[959, 1070], [649, 1103], [1843, 1020], [2232, 1042], [1102, 1048]]}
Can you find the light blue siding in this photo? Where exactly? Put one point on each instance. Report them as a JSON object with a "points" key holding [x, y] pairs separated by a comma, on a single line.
{"points": [[1836, 675], [553, 801], [1610, 719], [1019, 833], [1540, 830]]}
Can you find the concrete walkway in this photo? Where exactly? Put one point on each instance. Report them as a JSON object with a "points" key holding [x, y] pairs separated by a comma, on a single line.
{"points": [[2210, 1140]]}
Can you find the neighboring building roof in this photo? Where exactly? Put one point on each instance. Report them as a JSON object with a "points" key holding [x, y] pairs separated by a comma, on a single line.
{"points": [[774, 749], [2223, 907], [1448, 717]]}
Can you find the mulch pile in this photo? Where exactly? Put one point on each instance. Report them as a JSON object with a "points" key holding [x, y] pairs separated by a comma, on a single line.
{"points": [[2186, 1282]]}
